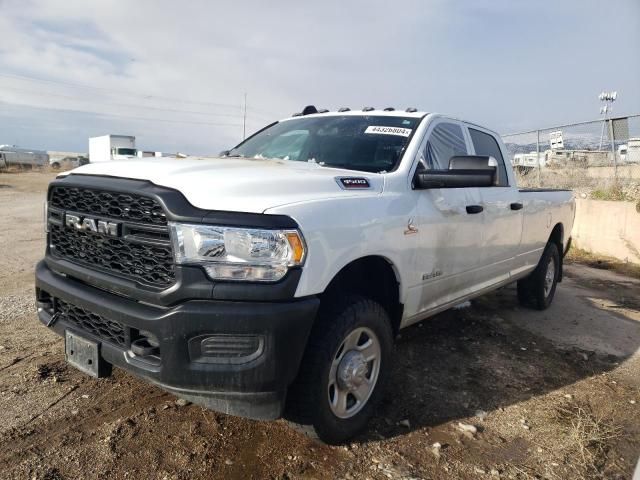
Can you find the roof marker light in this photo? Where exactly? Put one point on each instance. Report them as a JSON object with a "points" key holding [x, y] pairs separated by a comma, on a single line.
{"points": [[309, 110]]}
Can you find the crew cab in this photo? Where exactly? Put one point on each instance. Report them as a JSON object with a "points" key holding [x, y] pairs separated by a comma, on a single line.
{"points": [[273, 280]]}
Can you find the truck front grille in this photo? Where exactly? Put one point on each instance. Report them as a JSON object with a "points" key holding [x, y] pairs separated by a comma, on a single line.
{"points": [[149, 264], [102, 203], [141, 251], [105, 329]]}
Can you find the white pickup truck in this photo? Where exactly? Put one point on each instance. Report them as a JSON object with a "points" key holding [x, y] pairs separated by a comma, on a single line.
{"points": [[273, 280]]}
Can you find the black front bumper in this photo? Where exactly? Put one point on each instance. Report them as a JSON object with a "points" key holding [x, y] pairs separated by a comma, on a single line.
{"points": [[255, 389]]}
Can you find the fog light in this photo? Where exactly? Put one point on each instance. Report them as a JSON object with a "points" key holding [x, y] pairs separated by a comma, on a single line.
{"points": [[226, 349]]}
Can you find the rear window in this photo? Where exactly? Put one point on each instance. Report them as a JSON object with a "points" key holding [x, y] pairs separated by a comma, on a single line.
{"points": [[367, 143]]}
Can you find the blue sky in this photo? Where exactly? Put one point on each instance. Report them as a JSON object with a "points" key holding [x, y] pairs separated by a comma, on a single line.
{"points": [[174, 73]]}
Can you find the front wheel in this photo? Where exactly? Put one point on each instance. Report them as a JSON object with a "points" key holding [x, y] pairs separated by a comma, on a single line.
{"points": [[537, 290], [344, 369]]}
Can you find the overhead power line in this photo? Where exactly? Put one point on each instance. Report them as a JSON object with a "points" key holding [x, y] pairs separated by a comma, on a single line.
{"points": [[131, 94], [147, 119], [128, 105]]}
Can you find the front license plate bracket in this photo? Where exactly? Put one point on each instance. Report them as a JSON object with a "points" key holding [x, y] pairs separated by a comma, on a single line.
{"points": [[84, 354]]}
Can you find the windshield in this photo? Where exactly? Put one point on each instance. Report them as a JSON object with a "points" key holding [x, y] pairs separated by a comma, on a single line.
{"points": [[127, 151], [367, 143]]}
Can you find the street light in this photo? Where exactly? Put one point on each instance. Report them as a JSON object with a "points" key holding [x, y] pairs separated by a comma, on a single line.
{"points": [[607, 98]]}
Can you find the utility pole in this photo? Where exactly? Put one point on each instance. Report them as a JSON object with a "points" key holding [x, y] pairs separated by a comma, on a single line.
{"points": [[613, 152], [538, 157], [244, 117]]}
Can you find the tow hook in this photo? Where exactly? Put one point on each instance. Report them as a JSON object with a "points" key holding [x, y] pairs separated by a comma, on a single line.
{"points": [[54, 318]]}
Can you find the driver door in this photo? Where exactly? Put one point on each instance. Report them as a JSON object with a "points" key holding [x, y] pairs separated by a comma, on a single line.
{"points": [[449, 231]]}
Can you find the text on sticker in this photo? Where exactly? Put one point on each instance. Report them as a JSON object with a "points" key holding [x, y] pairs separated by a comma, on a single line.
{"points": [[403, 132]]}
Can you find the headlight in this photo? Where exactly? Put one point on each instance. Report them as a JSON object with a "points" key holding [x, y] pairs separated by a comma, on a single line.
{"points": [[229, 253]]}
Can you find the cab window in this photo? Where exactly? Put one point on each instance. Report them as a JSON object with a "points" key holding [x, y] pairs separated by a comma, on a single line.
{"points": [[485, 144], [446, 140]]}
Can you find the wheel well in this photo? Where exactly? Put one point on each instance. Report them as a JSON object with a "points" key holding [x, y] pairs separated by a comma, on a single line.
{"points": [[372, 277], [557, 237]]}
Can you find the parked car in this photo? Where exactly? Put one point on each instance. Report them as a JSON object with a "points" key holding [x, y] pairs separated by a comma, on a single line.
{"points": [[264, 287], [69, 161]]}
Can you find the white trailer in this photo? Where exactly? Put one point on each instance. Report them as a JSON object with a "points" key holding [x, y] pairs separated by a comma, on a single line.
{"points": [[630, 153], [12, 155], [149, 153], [112, 147], [523, 162]]}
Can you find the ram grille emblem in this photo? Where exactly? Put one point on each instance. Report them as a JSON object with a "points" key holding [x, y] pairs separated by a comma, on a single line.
{"points": [[92, 225]]}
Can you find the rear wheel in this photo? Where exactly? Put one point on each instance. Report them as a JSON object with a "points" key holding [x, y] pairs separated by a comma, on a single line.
{"points": [[538, 289], [344, 370]]}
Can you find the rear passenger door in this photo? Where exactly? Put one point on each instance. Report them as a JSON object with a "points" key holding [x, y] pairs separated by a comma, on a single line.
{"points": [[503, 212]]}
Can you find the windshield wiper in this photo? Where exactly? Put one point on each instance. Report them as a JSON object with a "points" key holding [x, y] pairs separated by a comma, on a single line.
{"points": [[351, 166]]}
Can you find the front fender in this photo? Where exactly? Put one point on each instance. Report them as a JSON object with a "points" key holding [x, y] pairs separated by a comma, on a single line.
{"points": [[339, 231]]}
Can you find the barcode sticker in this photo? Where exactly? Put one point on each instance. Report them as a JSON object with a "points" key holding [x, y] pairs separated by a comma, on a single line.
{"points": [[403, 132]]}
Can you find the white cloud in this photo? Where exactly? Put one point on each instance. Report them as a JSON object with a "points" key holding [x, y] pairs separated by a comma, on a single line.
{"points": [[496, 63]]}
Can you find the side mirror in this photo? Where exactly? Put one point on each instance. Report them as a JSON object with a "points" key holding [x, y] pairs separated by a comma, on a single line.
{"points": [[464, 171], [472, 162], [224, 153]]}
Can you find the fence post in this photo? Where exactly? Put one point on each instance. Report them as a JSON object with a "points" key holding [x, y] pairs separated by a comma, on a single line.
{"points": [[613, 152], [538, 157]]}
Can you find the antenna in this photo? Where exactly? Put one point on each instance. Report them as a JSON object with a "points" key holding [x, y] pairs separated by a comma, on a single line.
{"points": [[244, 117]]}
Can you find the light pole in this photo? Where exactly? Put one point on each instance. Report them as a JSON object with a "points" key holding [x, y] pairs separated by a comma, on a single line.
{"points": [[607, 98]]}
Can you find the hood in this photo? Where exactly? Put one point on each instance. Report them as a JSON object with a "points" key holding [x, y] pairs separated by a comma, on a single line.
{"points": [[239, 184]]}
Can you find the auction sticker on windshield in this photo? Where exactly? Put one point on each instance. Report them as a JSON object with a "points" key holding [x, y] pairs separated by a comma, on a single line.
{"points": [[403, 132]]}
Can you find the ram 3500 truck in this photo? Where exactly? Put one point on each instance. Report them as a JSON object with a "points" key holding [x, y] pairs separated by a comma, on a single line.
{"points": [[273, 281]]}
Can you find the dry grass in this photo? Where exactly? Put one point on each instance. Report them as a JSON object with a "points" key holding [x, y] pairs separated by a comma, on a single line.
{"points": [[577, 255], [587, 437]]}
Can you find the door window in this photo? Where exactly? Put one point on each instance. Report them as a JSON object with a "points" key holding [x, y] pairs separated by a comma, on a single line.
{"points": [[485, 144], [445, 141]]}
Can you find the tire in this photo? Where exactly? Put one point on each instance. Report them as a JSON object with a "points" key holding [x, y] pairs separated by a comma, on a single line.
{"points": [[538, 289], [339, 406], [55, 165]]}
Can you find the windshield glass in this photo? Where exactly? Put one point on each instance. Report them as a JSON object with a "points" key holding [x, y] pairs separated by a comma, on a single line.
{"points": [[367, 143], [127, 151]]}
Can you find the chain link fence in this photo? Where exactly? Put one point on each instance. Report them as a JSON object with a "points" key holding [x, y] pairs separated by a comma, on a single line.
{"points": [[599, 159]]}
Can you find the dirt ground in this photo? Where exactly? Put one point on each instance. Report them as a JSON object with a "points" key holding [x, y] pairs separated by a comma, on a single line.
{"points": [[486, 391]]}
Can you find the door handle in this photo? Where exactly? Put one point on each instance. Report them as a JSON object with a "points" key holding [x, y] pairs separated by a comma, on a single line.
{"points": [[471, 209], [516, 206]]}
